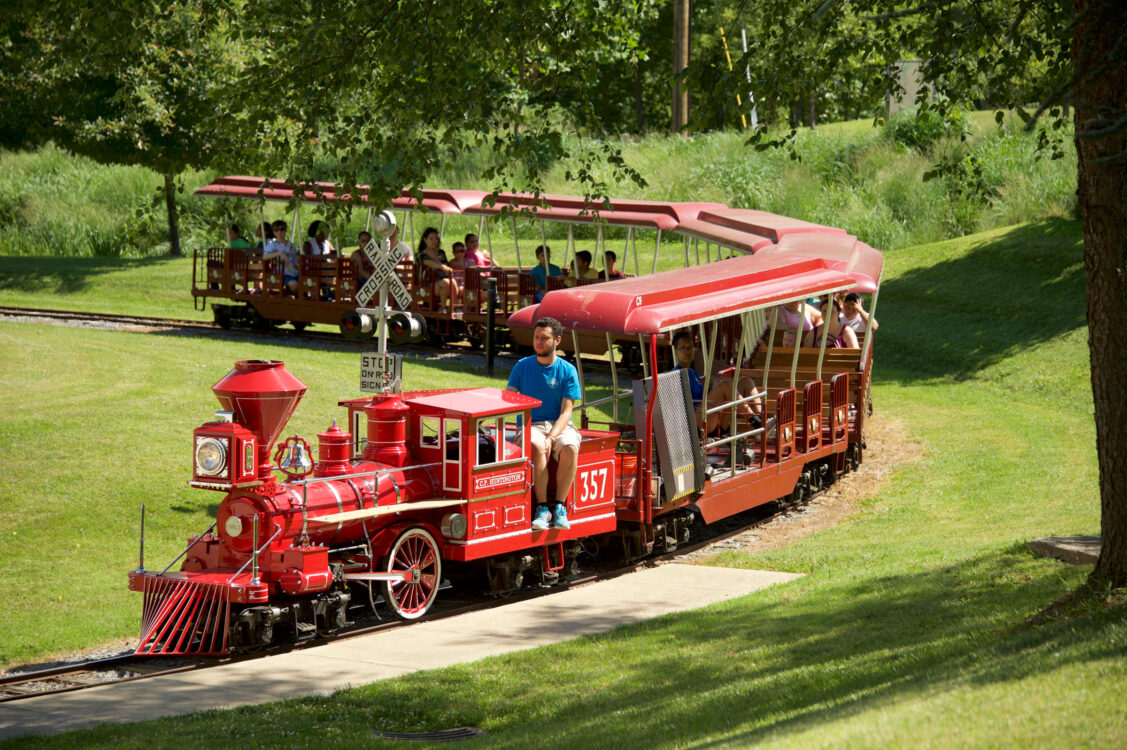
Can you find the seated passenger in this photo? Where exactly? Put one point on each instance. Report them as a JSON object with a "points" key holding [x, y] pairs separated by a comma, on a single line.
{"points": [[684, 352], [854, 315], [542, 270], [610, 272], [787, 317], [264, 232], [476, 254], [402, 248], [318, 240], [282, 249], [583, 268], [841, 335], [235, 238], [432, 256], [460, 261], [364, 267]]}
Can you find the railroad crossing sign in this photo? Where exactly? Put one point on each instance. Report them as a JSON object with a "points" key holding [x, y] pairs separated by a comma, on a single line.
{"points": [[384, 276]]}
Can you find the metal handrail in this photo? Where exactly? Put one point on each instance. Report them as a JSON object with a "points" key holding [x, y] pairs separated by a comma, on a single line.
{"points": [[361, 474], [256, 553], [737, 402], [190, 545]]}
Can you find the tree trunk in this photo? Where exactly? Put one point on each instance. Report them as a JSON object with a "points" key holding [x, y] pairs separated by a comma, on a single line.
{"points": [[682, 14], [812, 102], [170, 204], [639, 102], [1102, 193]]}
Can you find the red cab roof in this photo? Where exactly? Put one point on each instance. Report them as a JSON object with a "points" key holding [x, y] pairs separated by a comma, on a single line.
{"points": [[672, 299], [476, 402]]}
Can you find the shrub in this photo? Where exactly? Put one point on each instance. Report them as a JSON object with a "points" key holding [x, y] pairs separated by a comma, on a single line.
{"points": [[922, 129]]}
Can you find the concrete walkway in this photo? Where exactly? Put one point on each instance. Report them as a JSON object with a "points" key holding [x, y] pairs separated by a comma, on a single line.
{"points": [[324, 669]]}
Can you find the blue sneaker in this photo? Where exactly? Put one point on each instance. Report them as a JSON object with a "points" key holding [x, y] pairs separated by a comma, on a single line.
{"points": [[559, 518], [541, 518]]}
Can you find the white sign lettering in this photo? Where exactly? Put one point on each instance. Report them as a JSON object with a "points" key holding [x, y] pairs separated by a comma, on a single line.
{"points": [[498, 480]]}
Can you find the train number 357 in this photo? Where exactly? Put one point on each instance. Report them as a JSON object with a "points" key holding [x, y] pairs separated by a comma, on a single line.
{"points": [[592, 485]]}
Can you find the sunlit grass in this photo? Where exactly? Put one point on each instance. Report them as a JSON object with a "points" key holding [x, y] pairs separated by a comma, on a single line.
{"points": [[907, 631]]}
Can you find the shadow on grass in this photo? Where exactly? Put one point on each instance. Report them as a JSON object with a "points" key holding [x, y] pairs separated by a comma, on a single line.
{"points": [[61, 275], [1028, 283], [783, 668]]}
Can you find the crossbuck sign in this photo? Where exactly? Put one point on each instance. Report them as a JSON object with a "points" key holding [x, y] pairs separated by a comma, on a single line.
{"points": [[384, 277]]}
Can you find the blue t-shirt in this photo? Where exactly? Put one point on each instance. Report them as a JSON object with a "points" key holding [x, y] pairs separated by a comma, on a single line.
{"points": [[696, 385], [538, 276], [550, 384]]}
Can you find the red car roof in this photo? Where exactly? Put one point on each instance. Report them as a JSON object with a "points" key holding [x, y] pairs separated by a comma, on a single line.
{"points": [[671, 299]]}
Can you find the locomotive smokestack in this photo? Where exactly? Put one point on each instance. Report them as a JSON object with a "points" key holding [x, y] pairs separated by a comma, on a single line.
{"points": [[263, 396]]}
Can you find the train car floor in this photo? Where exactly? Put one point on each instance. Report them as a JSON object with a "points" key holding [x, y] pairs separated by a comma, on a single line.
{"points": [[463, 638]]}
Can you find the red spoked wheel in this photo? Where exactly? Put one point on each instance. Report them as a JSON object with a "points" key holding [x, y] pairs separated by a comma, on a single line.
{"points": [[414, 554]]}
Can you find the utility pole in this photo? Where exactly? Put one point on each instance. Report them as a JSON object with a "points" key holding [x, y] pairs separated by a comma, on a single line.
{"points": [[682, 30]]}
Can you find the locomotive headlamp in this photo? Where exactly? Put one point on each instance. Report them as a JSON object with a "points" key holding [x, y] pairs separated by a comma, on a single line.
{"points": [[211, 456]]}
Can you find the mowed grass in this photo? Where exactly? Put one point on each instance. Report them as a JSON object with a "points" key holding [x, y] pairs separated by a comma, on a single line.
{"points": [[907, 631], [95, 423]]}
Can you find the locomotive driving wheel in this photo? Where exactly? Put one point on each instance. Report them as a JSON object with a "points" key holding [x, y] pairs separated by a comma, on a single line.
{"points": [[416, 555]]}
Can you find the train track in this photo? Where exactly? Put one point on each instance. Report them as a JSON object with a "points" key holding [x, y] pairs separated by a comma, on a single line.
{"points": [[140, 323], [127, 668]]}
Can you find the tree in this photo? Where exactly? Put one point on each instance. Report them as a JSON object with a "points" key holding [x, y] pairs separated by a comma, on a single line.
{"points": [[136, 83], [389, 91], [1055, 54]]}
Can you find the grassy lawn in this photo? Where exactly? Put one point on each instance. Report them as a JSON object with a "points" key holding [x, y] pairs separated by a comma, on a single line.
{"points": [[907, 631]]}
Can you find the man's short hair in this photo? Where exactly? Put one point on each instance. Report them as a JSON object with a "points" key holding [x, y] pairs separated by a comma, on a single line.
{"points": [[555, 325], [682, 335], [457, 245], [584, 255], [853, 297]]}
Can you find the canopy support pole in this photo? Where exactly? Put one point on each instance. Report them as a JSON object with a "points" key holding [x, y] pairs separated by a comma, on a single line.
{"points": [[657, 250], [516, 244]]}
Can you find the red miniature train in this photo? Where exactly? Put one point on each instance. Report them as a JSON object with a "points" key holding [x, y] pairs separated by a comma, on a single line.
{"points": [[427, 479]]}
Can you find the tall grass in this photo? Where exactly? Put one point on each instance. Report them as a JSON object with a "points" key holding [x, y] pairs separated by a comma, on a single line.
{"points": [[850, 175]]}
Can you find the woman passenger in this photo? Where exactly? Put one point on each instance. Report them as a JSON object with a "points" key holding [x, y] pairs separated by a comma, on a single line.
{"points": [[318, 241], [841, 335], [432, 256]]}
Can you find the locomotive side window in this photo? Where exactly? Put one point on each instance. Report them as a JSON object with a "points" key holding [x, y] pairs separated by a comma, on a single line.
{"points": [[452, 459], [487, 431], [428, 432], [498, 440], [514, 446]]}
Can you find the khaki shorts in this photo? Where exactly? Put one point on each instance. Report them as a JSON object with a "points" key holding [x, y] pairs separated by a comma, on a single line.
{"points": [[569, 437]]}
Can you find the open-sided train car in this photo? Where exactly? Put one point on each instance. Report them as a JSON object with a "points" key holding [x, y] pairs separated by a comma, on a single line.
{"points": [[245, 291], [424, 482]]}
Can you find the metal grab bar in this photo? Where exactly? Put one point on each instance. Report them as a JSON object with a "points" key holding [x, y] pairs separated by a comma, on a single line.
{"points": [[254, 556], [359, 475], [737, 436], [737, 402], [190, 545]]}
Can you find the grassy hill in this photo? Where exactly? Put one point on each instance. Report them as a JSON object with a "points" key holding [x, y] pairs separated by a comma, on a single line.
{"points": [[908, 629], [848, 175]]}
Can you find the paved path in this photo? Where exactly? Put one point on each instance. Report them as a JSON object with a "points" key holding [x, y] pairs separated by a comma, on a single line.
{"points": [[453, 640]]}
